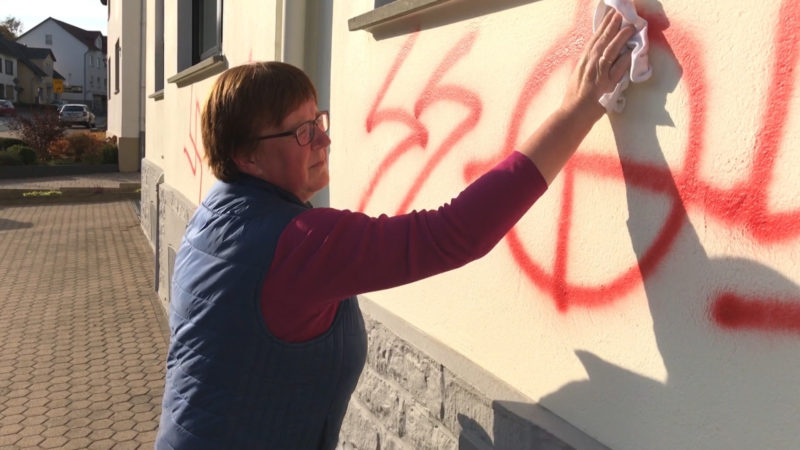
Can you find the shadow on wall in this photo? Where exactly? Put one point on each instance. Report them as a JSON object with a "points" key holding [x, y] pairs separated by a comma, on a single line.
{"points": [[727, 386]]}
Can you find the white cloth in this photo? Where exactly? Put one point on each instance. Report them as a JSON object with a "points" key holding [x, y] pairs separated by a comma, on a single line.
{"points": [[639, 45]]}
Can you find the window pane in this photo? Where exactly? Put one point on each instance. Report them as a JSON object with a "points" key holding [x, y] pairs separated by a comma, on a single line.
{"points": [[208, 25]]}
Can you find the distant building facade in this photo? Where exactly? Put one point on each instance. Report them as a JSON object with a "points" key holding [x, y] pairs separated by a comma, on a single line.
{"points": [[27, 73], [81, 60], [8, 71]]}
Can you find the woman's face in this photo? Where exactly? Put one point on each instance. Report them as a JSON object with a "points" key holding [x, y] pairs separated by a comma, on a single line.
{"points": [[301, 170]]}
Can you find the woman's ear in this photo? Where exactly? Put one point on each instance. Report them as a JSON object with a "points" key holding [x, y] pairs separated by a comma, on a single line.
{"points": [[246, 163]]}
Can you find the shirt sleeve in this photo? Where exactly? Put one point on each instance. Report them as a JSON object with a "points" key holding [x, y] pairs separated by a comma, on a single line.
{"points": [[325, 255]]}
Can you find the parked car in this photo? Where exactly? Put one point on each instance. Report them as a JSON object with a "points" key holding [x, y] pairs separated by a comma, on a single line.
{"points": [[75, 113], [6, 108]]}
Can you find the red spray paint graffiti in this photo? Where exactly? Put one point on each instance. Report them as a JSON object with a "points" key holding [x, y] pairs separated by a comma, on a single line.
{"points": [[196, 157], [743, 205], [433, 92]]}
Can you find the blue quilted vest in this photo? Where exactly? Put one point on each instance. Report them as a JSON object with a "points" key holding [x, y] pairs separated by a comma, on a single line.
{"points": [[230, 383]]}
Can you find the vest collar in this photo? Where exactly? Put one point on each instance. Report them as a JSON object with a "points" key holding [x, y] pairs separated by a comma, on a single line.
{"points": [[258, 183]]}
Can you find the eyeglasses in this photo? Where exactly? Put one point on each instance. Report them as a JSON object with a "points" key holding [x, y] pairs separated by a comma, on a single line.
{"points": [[306, 131]]}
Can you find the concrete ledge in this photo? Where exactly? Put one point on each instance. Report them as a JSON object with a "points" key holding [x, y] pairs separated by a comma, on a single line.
{"points": [[391, 11], [204, 69], [10, 172]]}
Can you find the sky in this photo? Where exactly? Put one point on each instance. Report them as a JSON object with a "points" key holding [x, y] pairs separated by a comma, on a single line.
{"points": [[90, 15]]}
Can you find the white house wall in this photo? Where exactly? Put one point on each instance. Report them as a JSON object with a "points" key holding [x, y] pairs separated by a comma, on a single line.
{"points": [[654, 303], [173, 132], [125, 106]]}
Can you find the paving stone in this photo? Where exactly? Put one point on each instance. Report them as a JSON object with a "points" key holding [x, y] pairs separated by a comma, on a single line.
{"points": [[84, 338]]}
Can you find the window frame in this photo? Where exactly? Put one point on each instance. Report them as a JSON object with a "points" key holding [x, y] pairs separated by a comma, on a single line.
{"points": [[158, 63], [195, 65], [386, 12], [199, 23]]}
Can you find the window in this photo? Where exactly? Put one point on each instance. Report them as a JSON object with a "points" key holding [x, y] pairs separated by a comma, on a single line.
{"points": [[199, 31], [117, 52], [48, 39], [199, 42], [159, 51], [10, 67], [206, 29]]}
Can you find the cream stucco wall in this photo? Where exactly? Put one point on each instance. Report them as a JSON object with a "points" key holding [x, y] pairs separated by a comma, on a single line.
{"points": [[173, 140], [124, 106], [653, 303]]}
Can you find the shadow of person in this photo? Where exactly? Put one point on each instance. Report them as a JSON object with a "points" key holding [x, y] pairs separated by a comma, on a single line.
{"points": [[8, 224], [725, 388]]}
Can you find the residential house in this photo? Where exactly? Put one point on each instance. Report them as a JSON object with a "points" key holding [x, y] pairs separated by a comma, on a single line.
{"points": [[8, 72], [126, 68], [30, 71], [81, 60], [649, 299]]}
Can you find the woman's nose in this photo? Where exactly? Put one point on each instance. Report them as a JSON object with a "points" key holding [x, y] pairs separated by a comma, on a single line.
{"points": [[321, 138]]}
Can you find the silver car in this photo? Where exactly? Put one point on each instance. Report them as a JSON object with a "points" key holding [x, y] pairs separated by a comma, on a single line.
{"points": [[76, 113]]}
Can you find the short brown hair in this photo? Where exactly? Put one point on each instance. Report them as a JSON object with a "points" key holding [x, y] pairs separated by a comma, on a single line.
{"points": [[243, 99]]}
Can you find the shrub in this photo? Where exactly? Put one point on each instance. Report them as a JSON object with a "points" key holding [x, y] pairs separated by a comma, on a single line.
{"points": [[8, 142], [110, 153], [9, 159], [59, 149], [25, 154], [81, 144], [39, 130]]}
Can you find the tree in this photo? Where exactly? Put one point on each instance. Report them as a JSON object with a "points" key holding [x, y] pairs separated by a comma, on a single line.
{"points": [[39, 130], [11, 28]]}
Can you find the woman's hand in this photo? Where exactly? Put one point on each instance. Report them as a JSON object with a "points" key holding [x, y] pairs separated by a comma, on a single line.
{"points": [[601, 66]]}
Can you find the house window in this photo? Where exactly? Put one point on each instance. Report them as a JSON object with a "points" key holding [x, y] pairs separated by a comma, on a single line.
{"points": [[206, 29], [117, 52], [48, 39], [10, 67], [10, 92], [199, 31], [159, 51]]}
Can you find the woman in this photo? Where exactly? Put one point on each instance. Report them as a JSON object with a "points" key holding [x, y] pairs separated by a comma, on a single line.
{"points": [[267, 341]]}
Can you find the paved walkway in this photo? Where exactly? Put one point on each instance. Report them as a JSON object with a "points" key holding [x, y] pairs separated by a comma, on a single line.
{"points": [[82, 336]]}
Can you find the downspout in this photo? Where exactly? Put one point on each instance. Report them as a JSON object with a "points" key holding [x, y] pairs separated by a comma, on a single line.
{"points": [[279, 8], [142, 82], [157, 237]]}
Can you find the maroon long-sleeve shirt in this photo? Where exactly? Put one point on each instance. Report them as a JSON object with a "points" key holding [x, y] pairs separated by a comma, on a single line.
{"points": [[325, 255]]}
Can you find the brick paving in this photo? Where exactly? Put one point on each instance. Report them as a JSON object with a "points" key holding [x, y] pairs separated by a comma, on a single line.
{"points": [[82, 336]]}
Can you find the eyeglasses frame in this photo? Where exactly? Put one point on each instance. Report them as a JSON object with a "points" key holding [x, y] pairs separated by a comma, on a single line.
{"points": [[315, 128]]}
